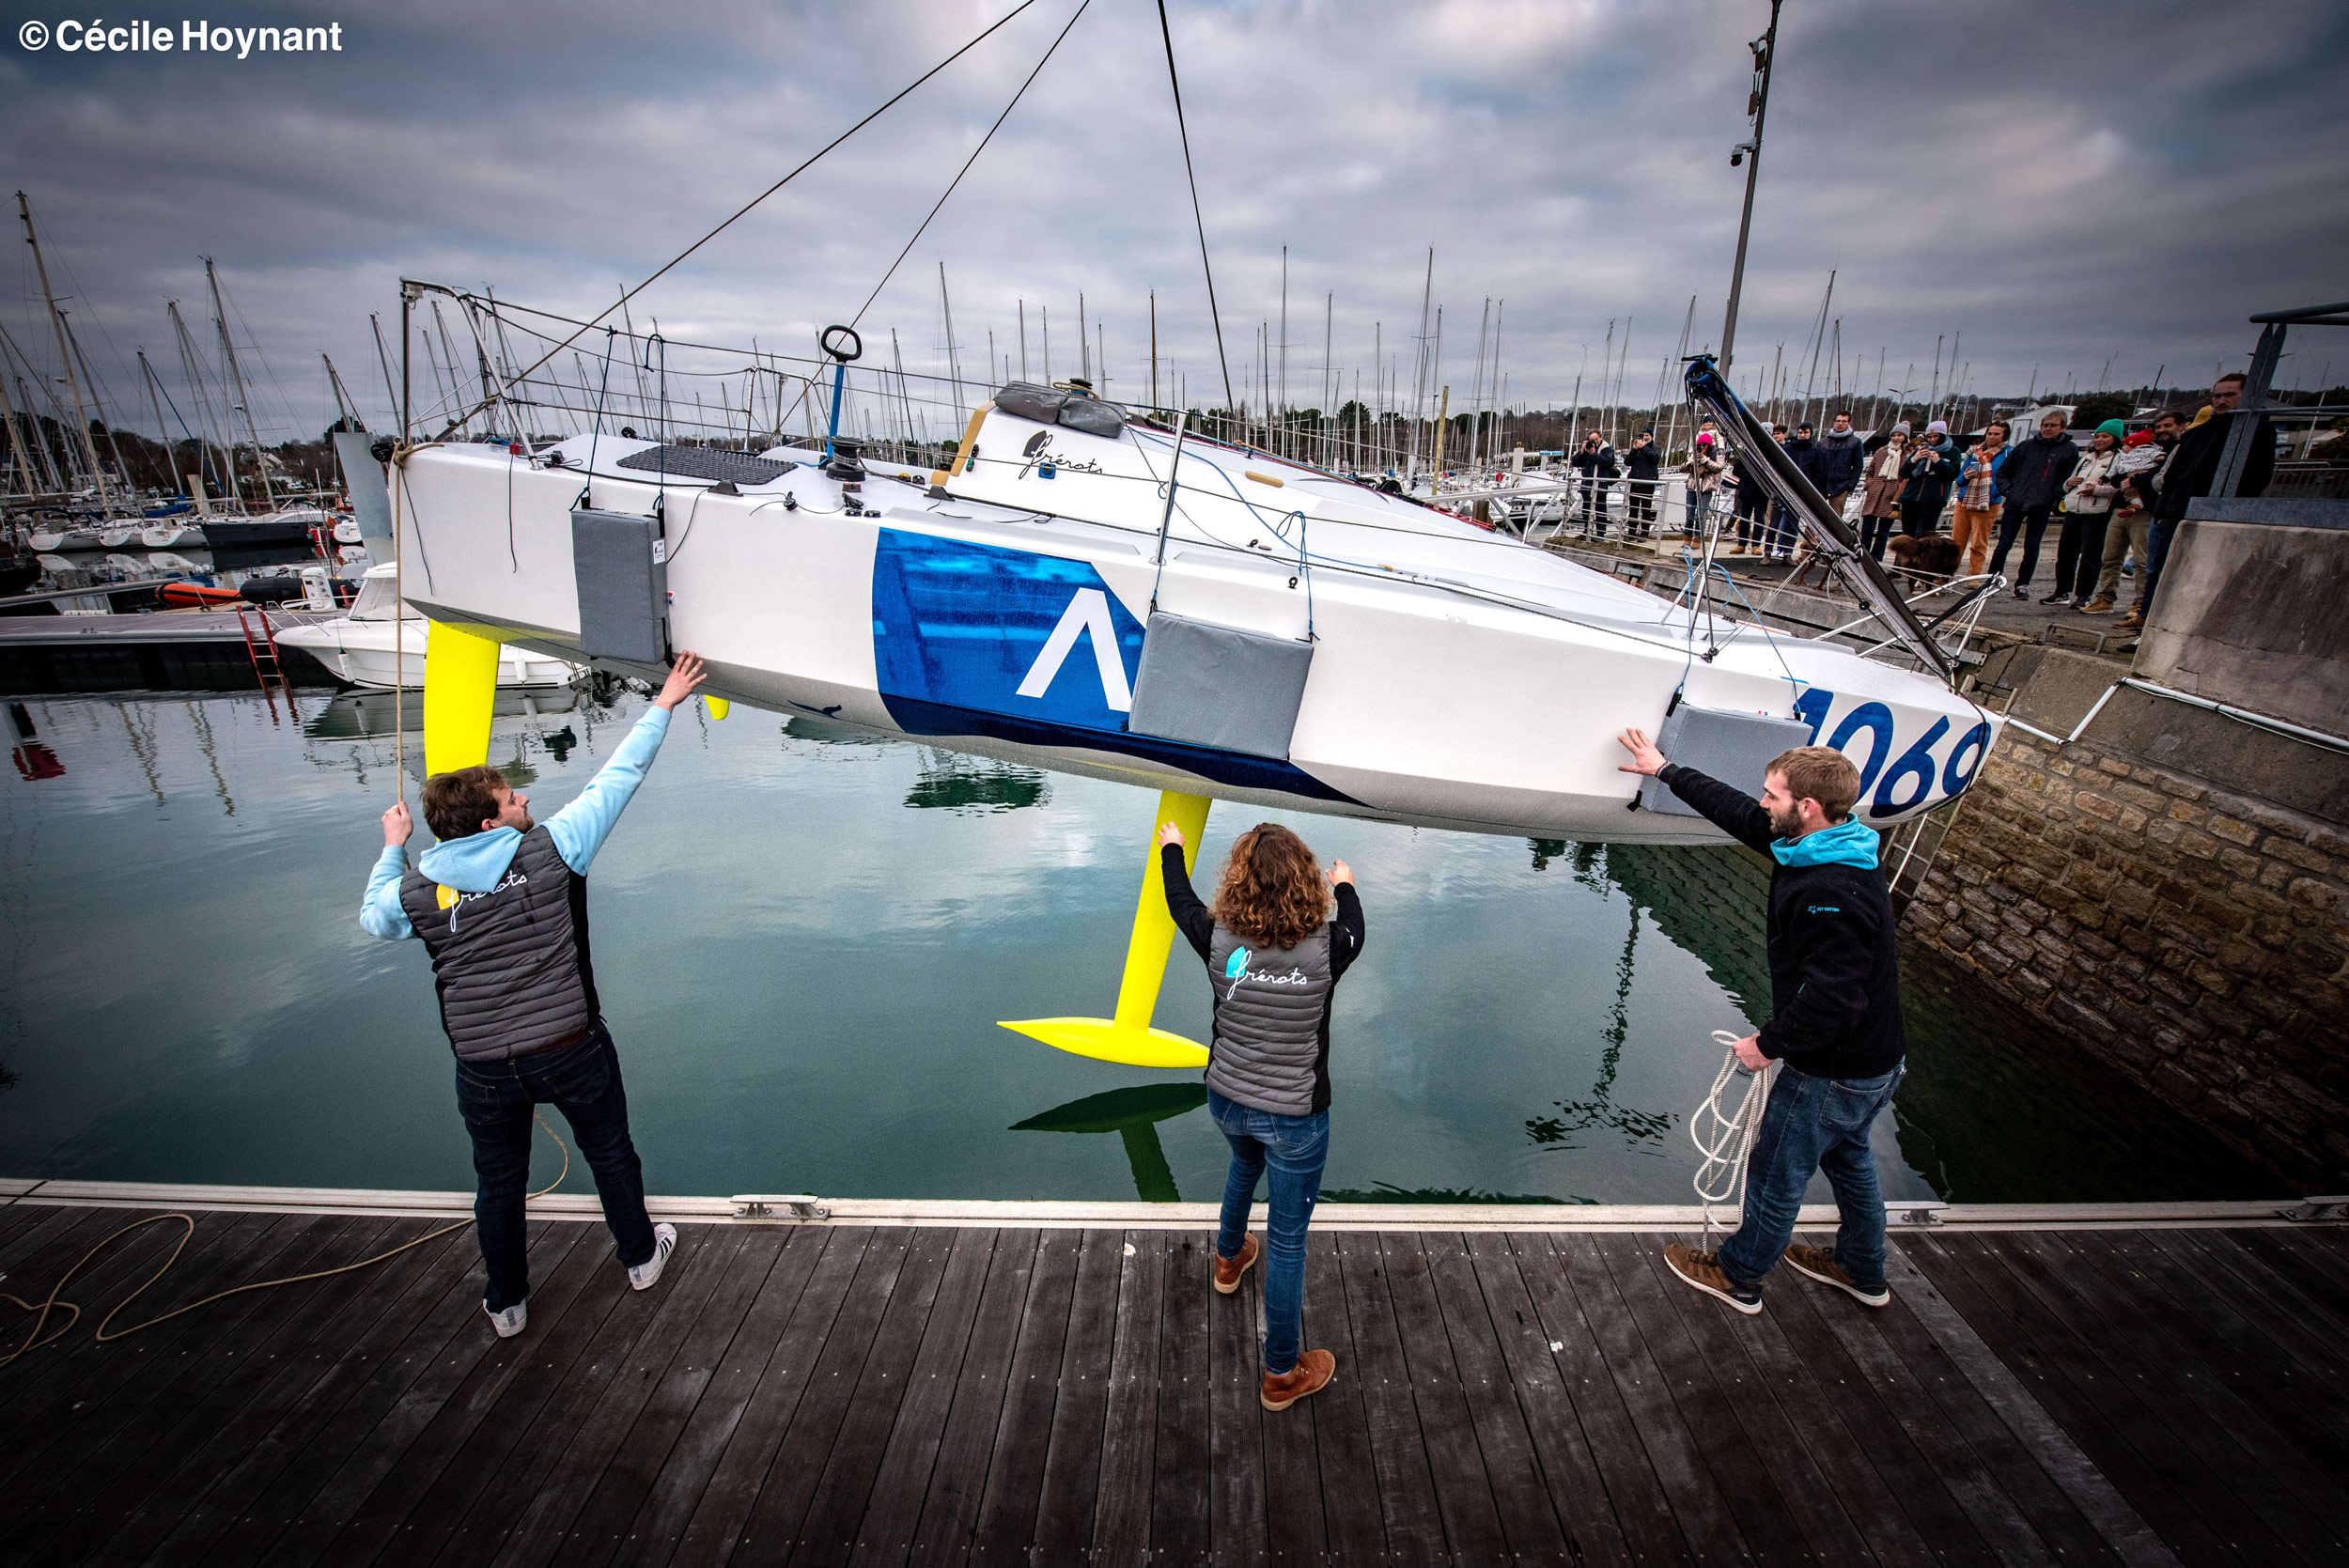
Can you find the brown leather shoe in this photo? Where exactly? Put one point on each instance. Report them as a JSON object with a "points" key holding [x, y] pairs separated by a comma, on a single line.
{"points": [[1228, 1271], [1819, 1263], [2098, 607], [1312, 1374]]}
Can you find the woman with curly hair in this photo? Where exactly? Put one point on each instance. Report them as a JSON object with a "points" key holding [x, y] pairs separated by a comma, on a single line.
{"points": [[1274, 952]]}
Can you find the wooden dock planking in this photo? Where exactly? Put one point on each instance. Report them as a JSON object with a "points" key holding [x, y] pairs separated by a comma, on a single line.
{"points": [[970, 1394]]}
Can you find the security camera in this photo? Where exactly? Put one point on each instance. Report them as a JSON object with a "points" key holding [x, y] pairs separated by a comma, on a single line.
{"points": [[1736, 156]]}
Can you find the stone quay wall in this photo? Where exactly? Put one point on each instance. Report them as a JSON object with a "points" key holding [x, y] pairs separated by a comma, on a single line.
{"points": [[2195, 938]]}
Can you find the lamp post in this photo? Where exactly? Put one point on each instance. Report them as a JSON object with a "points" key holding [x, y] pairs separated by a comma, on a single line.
{"points": [[1757, 103]]}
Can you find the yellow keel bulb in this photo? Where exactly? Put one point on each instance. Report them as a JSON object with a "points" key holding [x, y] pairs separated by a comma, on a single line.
{"points": [[460, 686], [717, 707], [1128, 1037]]}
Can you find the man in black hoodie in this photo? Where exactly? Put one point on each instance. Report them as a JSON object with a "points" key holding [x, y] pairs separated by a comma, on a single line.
{"points": [[2033, 483], [1835, 1022]]}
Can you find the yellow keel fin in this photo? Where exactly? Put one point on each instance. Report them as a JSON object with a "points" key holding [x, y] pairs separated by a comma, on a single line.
{"points": [[718, 707], [460, 686], [1128, 1037]]}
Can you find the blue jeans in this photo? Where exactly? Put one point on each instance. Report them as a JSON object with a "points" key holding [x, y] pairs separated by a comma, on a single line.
{"points": [[1295, 1147], [583, 1081], [1699, 502], [1814, 1124]]}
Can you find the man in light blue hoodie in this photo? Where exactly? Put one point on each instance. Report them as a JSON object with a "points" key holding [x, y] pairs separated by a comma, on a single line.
{"points": [[501, 903]]}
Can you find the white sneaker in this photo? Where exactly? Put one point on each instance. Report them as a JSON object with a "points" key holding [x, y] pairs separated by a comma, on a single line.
{"points": [[647, 1274], [510, 1322]]}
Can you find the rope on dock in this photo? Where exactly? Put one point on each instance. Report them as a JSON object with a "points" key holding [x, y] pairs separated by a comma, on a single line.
{"points": [[106, 1330], [1728, 1143]]}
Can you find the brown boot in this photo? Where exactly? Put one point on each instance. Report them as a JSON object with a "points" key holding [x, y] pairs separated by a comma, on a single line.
{"points": [[2098, 607], [1228, 1271], [1313, 1370], [1819, 1263]]}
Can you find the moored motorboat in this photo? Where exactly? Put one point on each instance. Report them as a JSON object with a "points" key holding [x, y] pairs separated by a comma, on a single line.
{"points": [[374, 645]]}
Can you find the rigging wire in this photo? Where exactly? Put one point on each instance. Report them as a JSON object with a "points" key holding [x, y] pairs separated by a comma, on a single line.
{"points": [[740, 212], [967, 163], [1183, 126]]}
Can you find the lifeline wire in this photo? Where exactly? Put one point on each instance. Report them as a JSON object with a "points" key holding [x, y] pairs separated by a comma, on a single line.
{"points": [[1192, 175], [51, 1304], [762, 196], [1721, 1178], [965, 166]]}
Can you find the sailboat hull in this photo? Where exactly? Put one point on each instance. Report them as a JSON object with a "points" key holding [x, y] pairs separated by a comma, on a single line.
{"points": [[1457, 679]]}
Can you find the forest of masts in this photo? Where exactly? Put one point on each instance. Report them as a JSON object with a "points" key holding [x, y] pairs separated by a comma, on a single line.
{"points": [[483, 368]]}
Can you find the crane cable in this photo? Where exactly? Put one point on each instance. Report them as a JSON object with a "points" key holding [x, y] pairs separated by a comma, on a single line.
{"points": [[1192, 175], [740, 212]]}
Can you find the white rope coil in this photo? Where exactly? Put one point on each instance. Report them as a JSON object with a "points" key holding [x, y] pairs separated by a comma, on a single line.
{"points": [[1724, 1137]]}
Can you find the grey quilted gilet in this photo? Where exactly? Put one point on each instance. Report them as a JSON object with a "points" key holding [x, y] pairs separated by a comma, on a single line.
{"points": [[511, 964], [1268, 1012]]}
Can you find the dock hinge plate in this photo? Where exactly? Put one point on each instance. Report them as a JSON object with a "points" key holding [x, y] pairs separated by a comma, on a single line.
{"points": [[789, 1205]]}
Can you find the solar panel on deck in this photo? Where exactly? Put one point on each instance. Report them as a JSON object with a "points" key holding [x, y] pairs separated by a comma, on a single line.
{"points": [[703, 462]]}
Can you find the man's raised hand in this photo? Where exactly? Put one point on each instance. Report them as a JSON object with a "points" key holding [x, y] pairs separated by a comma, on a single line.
{"points": [[687, 673], [1645, 758], [398, 825]]}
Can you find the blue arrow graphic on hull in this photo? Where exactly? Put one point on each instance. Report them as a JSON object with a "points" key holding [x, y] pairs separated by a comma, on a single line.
{"points": [[972, 639]]}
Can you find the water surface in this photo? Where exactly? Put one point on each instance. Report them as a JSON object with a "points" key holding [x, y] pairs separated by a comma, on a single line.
{"points": [[803, 939]]}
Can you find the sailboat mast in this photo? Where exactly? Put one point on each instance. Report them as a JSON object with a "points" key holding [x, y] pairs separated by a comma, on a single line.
{"points": [[16, 438], [74, 341], [1285, 349], [80, 419], [244, 394], [953, 365]]}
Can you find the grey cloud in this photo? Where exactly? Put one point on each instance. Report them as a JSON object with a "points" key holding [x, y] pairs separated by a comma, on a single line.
{"points": [[2057, 181]]}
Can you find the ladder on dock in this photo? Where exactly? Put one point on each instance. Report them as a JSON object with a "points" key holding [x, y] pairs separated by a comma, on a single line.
{"points": [[268, 667]]}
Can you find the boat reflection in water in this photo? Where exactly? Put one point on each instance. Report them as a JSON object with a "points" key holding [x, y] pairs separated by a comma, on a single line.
{"points": [[353, 714]]}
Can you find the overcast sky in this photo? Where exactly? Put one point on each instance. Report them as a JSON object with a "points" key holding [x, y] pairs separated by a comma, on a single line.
{"points": [[2063, 185]]}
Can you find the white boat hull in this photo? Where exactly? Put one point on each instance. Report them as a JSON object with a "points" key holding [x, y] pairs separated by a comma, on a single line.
{"points": [[170, 535], [49, 541], [363, 654], [1460, 679]]}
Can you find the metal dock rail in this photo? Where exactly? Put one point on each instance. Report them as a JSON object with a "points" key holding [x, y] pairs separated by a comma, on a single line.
{"points": [[1056, 1383]]}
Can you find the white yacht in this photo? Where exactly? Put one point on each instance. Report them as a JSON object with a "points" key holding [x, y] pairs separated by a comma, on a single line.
{"points": [[360, 646]]}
